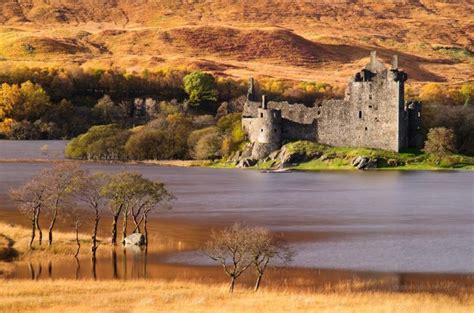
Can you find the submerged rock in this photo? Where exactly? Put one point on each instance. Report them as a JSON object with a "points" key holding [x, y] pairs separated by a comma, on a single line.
{"points": [[135, 239]]}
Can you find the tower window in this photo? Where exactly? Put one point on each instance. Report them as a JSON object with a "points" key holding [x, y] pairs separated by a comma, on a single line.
{"points": [[319, 112], [360, 114], [261, 130], [370, 97], [261, 114], [419, 114], [366, 128], [275, 130], [370, 107]]}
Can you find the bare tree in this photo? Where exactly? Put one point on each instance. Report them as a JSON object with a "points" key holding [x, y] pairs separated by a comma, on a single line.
{"points": [[264, 248], [89, 189], [32, 197], [230, 248], [59, 188], [77, 223]]}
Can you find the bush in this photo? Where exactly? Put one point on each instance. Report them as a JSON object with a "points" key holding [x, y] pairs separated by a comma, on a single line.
{"points": [[147, 144], [201, 150], [458, 118], [208, 147], [104, 142], [441, 141]]}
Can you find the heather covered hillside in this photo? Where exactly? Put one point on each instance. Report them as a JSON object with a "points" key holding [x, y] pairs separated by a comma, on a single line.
{"points": [[296, 40]]}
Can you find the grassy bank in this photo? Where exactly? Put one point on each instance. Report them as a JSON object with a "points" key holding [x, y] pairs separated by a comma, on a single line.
{"points": [[14, 246], [158, 296], [310, 156]]}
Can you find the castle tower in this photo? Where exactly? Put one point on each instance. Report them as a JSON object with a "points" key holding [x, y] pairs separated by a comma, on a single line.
{"points": [[267, 127], [377, 95]]}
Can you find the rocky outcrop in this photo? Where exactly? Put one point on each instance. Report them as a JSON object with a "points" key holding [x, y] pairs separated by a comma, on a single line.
{"points": [[290, 158], [364, 163], [135, 239]]}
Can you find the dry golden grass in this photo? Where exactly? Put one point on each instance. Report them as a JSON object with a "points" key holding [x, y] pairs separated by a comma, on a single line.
{"points": [[64, 244], [157, 296]]}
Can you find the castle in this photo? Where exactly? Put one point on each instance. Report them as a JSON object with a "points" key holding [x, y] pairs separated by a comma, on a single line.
{"points": [[373, 114]]}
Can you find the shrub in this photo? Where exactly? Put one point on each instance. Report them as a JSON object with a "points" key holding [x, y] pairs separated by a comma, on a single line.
{"points": [[104, 142], [201, 150], [441, 141], [146, 144]]}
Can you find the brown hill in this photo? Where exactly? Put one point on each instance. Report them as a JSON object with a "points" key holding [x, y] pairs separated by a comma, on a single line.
{"points": [[301, 40]]}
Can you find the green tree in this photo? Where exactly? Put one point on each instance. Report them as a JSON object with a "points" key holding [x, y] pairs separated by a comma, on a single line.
{"points": [[200, 87]]}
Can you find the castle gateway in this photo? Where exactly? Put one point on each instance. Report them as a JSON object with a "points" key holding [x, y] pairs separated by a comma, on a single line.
{"points": [[373, 114]]}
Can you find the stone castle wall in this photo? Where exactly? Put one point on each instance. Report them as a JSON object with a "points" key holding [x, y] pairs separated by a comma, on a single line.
{"points": [[373, 114]]}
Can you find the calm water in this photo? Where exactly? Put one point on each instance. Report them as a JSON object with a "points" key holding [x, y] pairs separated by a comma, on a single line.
{"points": [[383, 221], [32, 149]]}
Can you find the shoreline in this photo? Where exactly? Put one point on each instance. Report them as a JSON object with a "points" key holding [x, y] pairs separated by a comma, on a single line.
{"points": [[213, 165], [187, 238]]}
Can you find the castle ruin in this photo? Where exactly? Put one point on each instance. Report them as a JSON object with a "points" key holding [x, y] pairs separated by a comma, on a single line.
{"points": [[373, 114]]}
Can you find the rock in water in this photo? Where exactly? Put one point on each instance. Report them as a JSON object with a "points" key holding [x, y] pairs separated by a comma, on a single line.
{"points": [[135, 239]]}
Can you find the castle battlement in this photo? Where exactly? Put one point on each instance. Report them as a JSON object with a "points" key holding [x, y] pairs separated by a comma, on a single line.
{"points": [[373, 114]]}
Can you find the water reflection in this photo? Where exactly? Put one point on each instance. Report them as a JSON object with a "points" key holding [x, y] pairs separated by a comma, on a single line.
{"points": [[78, 268], [126, 263], [379, 221]]}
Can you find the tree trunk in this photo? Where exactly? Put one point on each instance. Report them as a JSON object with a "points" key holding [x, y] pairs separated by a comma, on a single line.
{"points": [[40, 233], [136, 223], [259, 279], [124, 228], [145, 229], [94, 234], [232, 284], [33, 231], [51, 226], [114, 229], [78, 243]]}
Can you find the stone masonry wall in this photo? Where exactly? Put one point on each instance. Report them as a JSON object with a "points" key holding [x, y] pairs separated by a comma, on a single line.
{"points": [[373, 114]]}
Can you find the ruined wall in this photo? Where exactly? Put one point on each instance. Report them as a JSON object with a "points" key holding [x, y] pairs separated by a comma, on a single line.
{"points": [[373, 114], [367, 117], [298, 121]]}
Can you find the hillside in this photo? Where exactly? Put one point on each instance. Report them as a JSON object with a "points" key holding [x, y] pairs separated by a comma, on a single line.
{"points": [[299, 40]]}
